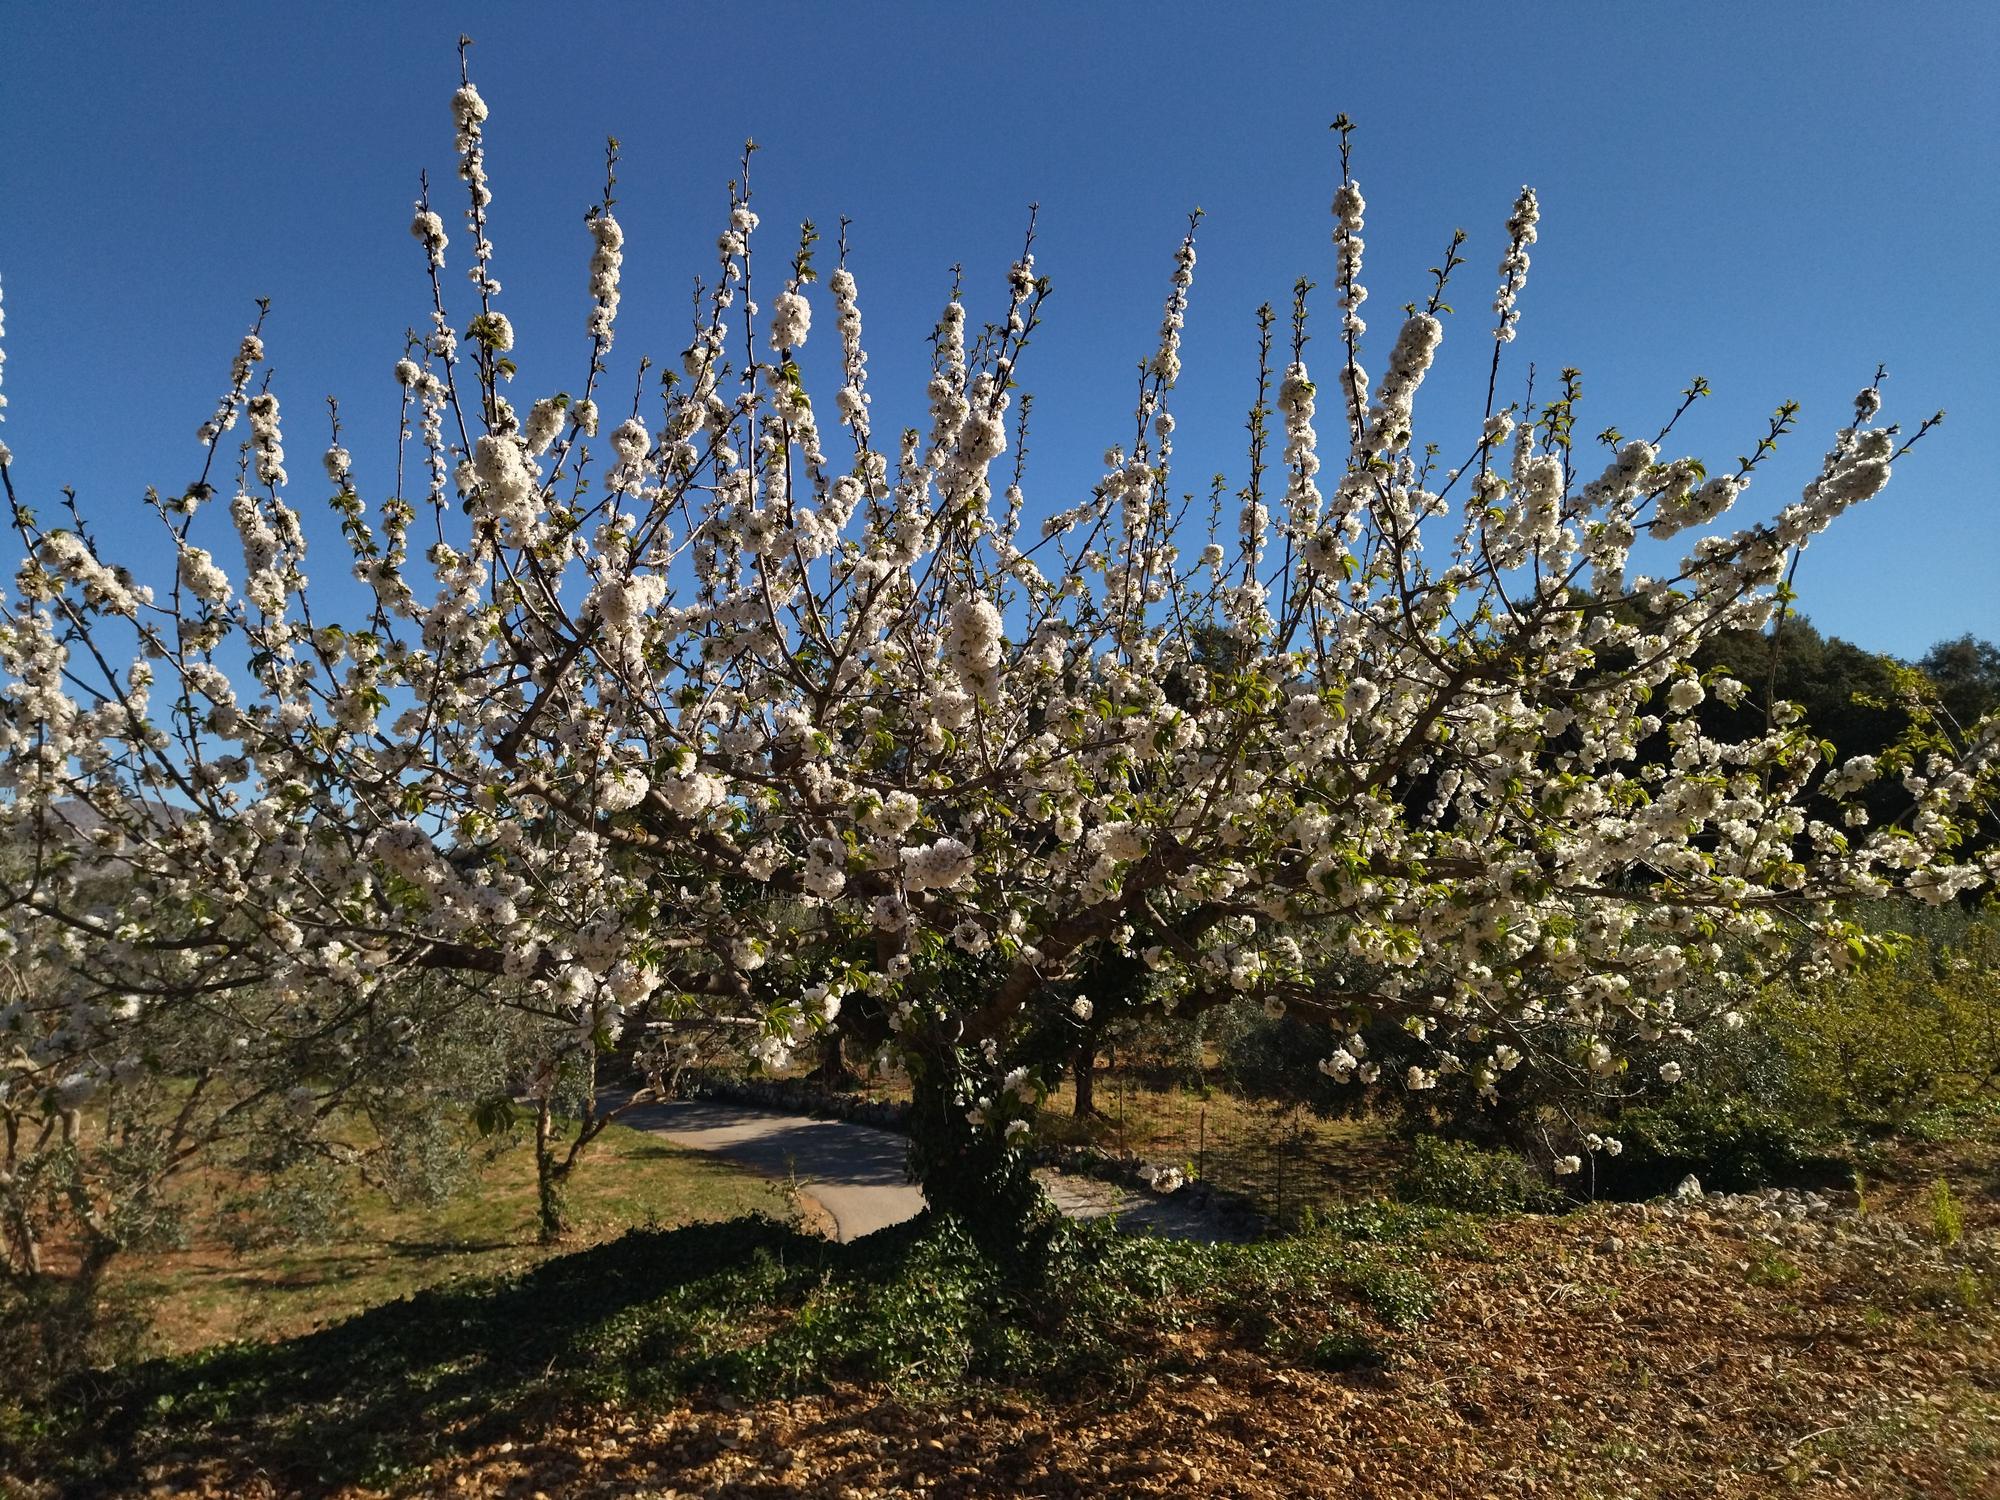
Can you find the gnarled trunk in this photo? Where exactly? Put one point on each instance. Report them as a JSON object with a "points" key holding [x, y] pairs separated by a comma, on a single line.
{"points": [[1085, 1070], [968, 1171], [833, 1073], [551, 1176]]}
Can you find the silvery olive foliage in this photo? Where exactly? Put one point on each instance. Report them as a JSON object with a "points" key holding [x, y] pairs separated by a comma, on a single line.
{"points": [[718, 710]]}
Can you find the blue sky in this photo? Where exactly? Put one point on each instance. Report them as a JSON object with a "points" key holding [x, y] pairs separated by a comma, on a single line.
{"points": [[1775, 197]]}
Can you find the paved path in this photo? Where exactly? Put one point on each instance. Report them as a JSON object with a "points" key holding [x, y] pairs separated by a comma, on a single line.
{"points": [[1083, 1197], [855, 1172]]}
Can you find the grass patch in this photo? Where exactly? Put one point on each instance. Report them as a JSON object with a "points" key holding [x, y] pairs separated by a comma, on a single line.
{"points": [[751, 1308], [223, 1286], [1772, 1271]]}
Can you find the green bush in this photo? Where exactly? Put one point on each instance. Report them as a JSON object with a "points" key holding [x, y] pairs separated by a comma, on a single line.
{"points": [[1277, 1059], [305, 1201], [52, 1329], [425, 1158], [1733, 1143], [1453, 1174], [1908, 1043], [1343, 1348], [1947, 1220], [1899, 1038]]}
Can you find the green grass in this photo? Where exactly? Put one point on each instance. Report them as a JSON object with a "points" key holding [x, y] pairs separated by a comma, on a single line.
{"points": [[1772, 1271], [749, 1307], [214, 1291]]}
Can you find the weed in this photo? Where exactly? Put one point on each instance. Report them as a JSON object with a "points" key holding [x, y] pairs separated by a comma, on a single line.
{"points": [[1773, 1271], [1947, 1223], [1346, 1346]]}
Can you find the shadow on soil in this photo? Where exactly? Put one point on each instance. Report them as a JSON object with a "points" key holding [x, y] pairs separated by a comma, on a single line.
{"points": [[750, 1308], [442, 1369]]}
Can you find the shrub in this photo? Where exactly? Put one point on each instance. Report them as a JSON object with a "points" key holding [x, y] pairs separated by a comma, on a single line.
{"points": [[1899, 1038], [1453, 1174], [1947, 1222], [1906, 1043], [1731, 1142], [306, 1201], [52, 1328]]}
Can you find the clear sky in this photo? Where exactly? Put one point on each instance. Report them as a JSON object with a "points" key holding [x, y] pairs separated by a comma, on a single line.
{"points": [[1776, 197]]}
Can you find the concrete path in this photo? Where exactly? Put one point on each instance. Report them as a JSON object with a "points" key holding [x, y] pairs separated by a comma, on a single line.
{"points": [[855, 1172], [1169, 1218]]}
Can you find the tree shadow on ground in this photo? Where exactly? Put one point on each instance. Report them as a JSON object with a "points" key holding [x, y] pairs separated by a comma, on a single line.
{"points": [[750, 1308], [399, 1384]]}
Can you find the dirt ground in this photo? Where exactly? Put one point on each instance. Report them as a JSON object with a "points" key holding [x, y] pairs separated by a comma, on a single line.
{"points": [[1720, 1349]]}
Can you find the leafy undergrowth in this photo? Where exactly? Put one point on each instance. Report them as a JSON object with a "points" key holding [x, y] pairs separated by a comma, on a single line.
{"points": [[1611, 1352], [750, 1309]]}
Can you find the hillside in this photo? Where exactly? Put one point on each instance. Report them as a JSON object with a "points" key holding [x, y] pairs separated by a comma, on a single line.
{"points": [[1730, 1346]]}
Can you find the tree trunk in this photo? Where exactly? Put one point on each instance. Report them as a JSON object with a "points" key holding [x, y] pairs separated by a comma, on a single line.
{"points": [[967, 1171], [551, 1177], [1085, 1070], [833, 1074]]}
